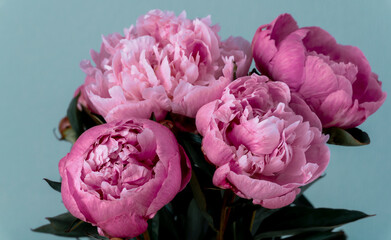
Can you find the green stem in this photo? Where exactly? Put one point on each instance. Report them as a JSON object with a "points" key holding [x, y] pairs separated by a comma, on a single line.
{"points": [[225, 211], [252, 220], [146, 235]]}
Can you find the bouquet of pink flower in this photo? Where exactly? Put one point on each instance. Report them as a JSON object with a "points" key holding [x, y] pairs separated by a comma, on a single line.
{"points": [[174, 138]]}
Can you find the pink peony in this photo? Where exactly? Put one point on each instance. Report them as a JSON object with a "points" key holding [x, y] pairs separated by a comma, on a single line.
{"points": [[164, 63], [264, 142], [118, 175], [335, 80]]}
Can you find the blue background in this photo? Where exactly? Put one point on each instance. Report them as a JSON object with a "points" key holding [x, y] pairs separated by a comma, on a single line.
{"points": [[42, 43]]}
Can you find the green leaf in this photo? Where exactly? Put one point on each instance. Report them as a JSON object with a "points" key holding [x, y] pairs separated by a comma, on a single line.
{"points": [[254, 70], [192, 144], [48, 228], [200, 199], [241, 231], [153, 118], [195, 222], [319, 236], [295, 220], [55, 185], [167, 226], [260, 215], [74, 116], [91, 119], [81, 120], [195, 138], [303, 202], [67, 225], [347, 137], [153, 227], [197, 192]]}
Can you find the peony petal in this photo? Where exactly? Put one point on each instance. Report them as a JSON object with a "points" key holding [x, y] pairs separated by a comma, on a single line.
{"points": [[123, 226], [240, 49], [320, 41], [289, 61], [320, 79], [299, 106], [204, 116], [282, 26], [147, 143], [189, 99], [260, 138], [263, 49], [142, 109], [256, 188], [333, 111], [216, 150], [281, 201], [186, 168]]}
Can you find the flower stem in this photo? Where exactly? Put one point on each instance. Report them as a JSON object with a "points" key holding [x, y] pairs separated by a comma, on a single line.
{"points": [[252, 220], [146, 235], [225, 211]]}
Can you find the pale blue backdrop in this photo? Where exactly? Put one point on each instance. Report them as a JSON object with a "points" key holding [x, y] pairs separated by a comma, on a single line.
{"points": [[42, 43]]}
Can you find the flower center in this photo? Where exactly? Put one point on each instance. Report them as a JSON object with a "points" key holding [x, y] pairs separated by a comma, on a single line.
{"points": [[117, 163]]}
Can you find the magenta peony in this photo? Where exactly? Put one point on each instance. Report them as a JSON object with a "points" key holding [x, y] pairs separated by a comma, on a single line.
{"points": [[335, 80], [118, 175], [164, 63], [264, 142]]}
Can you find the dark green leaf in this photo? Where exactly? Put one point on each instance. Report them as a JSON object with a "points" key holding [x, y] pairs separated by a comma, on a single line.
{"points": [[195, 138], [90, 119], [197, 192], [192, 144], [254, 70], [200, 199], [55, 185], [153, 118], [195, 222], [67, 225], [153, 227], [167, 226], [260, 215], [302, 201], [319, 236], [48, 228], [244, 212], [241, 231], [74, 116], [295, 220], [347, 137], [81, 120]]}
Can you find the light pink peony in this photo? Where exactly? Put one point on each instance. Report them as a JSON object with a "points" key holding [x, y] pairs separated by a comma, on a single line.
{"points": [[264, 142], [335, 80], [118, 175], [164, 63]]}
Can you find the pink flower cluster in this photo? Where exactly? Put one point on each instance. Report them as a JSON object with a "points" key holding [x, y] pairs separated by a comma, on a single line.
{"points": [[262, 133]]}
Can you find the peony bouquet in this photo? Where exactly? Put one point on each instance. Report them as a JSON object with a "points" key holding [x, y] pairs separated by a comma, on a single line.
{"points": [[175, 138]]}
